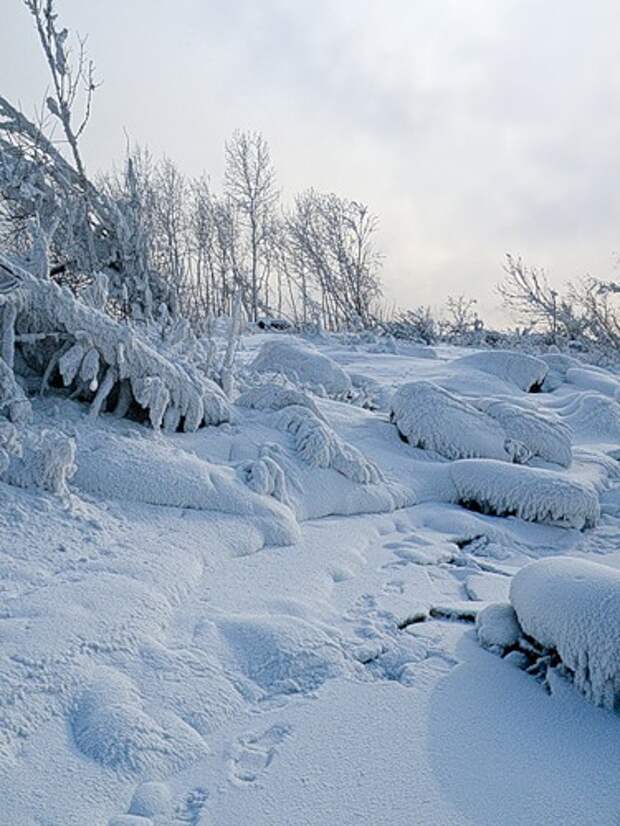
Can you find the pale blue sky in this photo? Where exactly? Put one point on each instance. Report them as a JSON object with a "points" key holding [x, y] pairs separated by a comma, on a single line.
{"points": [[471, 128]]}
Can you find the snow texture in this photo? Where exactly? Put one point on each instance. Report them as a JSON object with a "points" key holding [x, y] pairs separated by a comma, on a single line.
{"points": [[573, 607], [429, 417], [304, 365], [525, 372], [533, 494]]}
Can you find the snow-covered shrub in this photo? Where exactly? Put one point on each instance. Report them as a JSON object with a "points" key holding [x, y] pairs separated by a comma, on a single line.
{"points": [[265, 476], [573, 607], [43, 460], [497, 627], [320, 446], [524, 371], [303, 364], [110, 364], [429, 417], [271, 396], [544, 435], [532, 494]]}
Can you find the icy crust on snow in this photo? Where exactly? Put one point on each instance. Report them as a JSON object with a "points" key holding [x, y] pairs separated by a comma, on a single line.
{"points": [[272, 396], [303, 364], [544, 435], [150, 471], [519, 369], [429, 417], [533, 494], [573, 606]]}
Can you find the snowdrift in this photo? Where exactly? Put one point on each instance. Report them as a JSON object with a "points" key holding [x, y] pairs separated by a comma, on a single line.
{"points": [[303, 364], [532, 494], [152, 472], [270, 396], [573, 607], [525, 372], [429, 417]]}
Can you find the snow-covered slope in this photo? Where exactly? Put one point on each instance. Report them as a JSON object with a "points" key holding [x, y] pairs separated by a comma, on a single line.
{"points": [[271, 621]]}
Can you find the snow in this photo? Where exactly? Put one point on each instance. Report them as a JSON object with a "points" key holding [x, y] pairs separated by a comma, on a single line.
{"points": [[431, 418], [303, 364], [533, 494], [278, 619], [525, 372], [573, 607]]}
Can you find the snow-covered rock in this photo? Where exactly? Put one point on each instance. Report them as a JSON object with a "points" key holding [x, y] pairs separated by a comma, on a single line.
{"points": [[533, 494], [519, 369], [303, 364], [573, 606], [429, 417], [497, 627]]}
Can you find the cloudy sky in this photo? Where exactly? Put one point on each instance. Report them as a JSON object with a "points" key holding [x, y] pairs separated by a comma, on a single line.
{"points": [[471, 127]]}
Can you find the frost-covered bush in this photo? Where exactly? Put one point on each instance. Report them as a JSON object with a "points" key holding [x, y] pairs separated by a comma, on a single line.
{"points": [[271, 396], [320, 446], [524, 371], [544, 435], [111, 365], [429, 417], [573, 607], [532, 494], [304, 365]]}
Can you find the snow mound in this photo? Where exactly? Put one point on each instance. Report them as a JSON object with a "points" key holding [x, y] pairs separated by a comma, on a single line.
{"points": [[497, 627], [429, 417], [282, 654], [593, 417], [532, 494], [573, 606], [525, 372], [594, 379], [320, 446], [559, 364], [271, 396], [303, 364], [149, 470], [546, 436], [109, 725]]}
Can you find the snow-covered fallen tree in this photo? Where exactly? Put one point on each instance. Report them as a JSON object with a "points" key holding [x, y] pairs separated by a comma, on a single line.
{"points": [[572, 606], [429, 417], [544, 435], [532, 494], [519, 369], [304, 365]]}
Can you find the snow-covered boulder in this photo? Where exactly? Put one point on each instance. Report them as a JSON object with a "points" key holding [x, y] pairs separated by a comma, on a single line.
{"points": [[523, 371], [573, 606], [303, 364], [429, 417], [544, 435], [532, 494], [593, 378], [497, 627], [592, 417], [558, 364]]}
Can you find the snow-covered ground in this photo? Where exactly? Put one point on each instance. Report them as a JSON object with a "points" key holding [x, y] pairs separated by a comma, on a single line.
{"points": [[270, 622]]}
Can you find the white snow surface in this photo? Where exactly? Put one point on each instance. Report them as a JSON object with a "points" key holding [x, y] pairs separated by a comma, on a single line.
{"points": [[270, 621], [573, 606]]}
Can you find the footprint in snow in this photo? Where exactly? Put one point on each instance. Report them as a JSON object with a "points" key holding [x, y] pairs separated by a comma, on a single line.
{"points": [[252, 754]]}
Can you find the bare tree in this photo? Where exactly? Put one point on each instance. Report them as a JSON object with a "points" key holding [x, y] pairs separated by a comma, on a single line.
{"points": [[250, 183]]}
